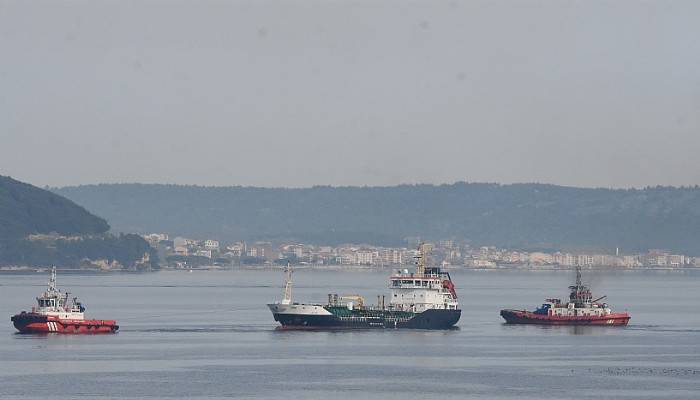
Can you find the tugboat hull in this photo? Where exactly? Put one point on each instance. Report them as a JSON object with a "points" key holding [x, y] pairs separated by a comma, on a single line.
{"points": [[304, 316], [528, 317], [38, 323]]}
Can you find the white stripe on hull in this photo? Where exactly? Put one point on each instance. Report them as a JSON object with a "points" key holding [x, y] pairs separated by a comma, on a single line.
{"points": [[300, 309]]}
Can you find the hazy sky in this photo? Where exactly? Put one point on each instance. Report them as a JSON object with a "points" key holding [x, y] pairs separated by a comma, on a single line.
{"points": [[298, 93]]}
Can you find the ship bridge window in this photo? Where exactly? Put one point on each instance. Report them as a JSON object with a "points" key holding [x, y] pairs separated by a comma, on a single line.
{"points": [[407, 282], [396, 283], [425, 283]]}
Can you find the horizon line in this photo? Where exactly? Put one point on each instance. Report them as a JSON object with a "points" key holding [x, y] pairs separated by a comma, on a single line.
{"points": [[405, 184]]}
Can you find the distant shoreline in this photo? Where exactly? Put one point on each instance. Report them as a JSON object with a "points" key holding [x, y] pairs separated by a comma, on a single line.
{"points": [[353, 268]]}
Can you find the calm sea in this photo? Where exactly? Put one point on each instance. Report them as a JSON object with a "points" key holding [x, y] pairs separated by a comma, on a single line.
{"points": [[208, 334]]}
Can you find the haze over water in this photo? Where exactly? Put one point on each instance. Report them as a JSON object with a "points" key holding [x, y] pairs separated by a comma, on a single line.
{"points": [[209, 335]]}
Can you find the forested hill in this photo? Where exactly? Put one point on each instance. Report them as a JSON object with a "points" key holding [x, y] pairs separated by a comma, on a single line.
{"points": [[41, 228], [519, 215], [26, 209]]}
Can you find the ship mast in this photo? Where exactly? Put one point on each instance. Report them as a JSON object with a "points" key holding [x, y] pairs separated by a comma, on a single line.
{"points": [[52, 280], [578, 276], [580, 294], [287, 284], [423, 249]]}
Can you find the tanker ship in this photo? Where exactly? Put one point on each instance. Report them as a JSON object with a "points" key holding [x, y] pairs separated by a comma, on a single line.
{"points": [[580, 310], [55, 314], [425, 299]]}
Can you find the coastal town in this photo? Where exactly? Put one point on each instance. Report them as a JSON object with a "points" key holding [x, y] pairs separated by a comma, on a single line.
{"points": [[186, 253]]}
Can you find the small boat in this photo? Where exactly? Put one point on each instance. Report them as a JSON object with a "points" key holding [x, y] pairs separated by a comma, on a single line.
{"points": [[580, 310], [55, 314]]}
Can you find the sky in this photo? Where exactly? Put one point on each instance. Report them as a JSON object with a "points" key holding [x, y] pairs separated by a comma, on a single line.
{"points": [[378, 92]]}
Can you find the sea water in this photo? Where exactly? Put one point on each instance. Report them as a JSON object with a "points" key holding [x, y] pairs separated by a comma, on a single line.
{"points": [[208, 334]]}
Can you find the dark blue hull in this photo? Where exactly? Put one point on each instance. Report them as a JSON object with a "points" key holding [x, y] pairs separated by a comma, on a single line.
{"points": [[430, 319]]}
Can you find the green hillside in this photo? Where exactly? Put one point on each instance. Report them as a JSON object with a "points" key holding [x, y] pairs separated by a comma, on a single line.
{"points": [[519, 215], [26, 209], [41, 228]]}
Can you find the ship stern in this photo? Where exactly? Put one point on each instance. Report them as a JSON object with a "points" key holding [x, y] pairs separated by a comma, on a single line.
{"points": [[30, 323]]}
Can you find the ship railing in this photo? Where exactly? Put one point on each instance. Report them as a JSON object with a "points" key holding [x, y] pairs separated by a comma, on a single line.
{"points": [[417, 275]]}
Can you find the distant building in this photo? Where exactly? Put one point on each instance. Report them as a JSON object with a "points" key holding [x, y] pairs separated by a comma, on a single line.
{"points": [[584, 260], [656, 258], [203, 253], [446, 244], [364, 257], [236, 249], [479, 263], [631, 261], [183, 242], [345, 258], [297, 251], [676, 261], [154, 238], [391, 257], [540, 258], [212, 245]]}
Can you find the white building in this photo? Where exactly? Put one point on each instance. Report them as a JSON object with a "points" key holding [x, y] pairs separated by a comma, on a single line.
{"points": [[183, 242], [211, 245], [391, 256], [154, 238], [364, 257], [235, 249]]}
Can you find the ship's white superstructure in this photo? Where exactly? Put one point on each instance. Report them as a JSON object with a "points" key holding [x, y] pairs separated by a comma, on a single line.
{"points": [[423, 290], [556, 308], [55, 303], [55, 313], [581, 303]]}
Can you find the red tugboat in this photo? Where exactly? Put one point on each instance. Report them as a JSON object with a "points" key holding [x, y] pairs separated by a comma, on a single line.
{"points": [[580, 310], [54, 314]]}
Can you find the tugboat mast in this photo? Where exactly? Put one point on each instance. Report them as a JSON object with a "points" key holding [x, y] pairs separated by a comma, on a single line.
{"points": [[52, 281], [580, 294], [578, 276]]}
